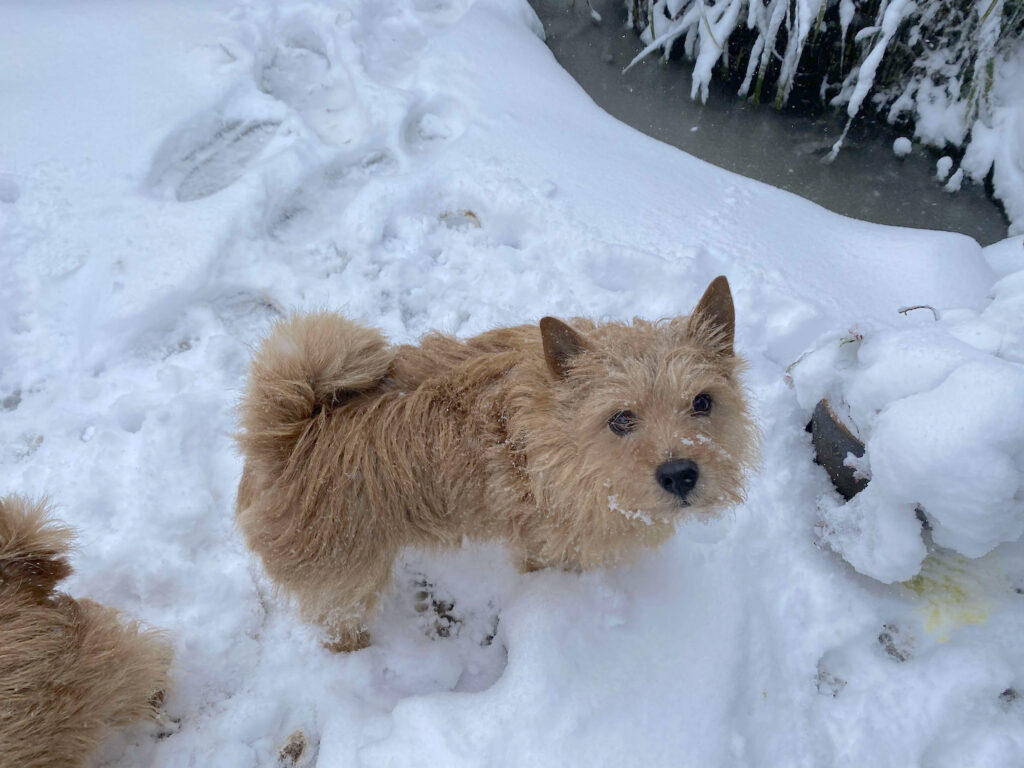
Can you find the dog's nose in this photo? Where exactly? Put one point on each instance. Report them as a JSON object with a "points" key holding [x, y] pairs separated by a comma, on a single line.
{"points": [[678, 477]]}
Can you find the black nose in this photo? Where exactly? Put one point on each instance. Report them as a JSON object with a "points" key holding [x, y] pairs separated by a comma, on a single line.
{"points": [[678, 477]]}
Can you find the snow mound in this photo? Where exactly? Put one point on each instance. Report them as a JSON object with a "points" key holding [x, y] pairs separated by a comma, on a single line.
{"points": [[938, 404]]}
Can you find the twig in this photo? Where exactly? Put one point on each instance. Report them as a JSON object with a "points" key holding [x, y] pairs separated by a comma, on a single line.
{"points": [[904, 310]]}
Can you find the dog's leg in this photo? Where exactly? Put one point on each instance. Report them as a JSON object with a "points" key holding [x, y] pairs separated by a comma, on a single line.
{"points": [[121, 667], [357, 591]]}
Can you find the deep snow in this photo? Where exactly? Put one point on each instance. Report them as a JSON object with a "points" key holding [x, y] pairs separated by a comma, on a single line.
{"points": [[176, 176]]}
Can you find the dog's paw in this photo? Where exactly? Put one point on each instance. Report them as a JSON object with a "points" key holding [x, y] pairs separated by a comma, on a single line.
{"points": [[347, 640]]}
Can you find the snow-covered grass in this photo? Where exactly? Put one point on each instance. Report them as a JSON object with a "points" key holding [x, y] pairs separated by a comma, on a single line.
{"points": [[950, 71], [176, 176]]}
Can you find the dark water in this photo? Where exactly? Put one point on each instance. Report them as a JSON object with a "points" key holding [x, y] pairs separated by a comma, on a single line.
{"points": [[784, 149]]}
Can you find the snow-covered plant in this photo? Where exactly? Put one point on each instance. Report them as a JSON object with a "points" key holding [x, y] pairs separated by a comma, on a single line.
{"points": [[926, 64]]}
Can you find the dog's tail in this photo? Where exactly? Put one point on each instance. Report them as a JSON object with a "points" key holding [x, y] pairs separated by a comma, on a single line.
{"points": [[306, 366], [33, 548]]}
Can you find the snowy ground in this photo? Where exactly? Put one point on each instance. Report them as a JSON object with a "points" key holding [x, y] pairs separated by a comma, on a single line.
{"points": [[173, 177]]}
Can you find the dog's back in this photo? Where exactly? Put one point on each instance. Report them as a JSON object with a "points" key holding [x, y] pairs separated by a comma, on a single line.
{"points": [[69, 669]]}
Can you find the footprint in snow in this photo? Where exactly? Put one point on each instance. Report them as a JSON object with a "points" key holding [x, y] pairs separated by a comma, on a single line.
{"points": [[897, 643], [12, 401], [439, 614], [316, 201], [300, 67], [431, 124], [209, 154], [296, 751], [246, 314]]}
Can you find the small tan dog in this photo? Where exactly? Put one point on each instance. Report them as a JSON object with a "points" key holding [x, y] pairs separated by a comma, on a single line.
{"points": [[70, 670], [576, 445]]}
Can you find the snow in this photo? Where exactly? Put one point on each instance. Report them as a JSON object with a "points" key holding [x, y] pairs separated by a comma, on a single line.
{"points": [[997, 143], [942, 167], [176, 176], [938, 407], [955, 181], [901, 147], [1006, 256], [891, 19]]}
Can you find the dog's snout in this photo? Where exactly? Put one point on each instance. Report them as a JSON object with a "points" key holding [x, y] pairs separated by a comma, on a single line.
{"points": [[678, 477]]}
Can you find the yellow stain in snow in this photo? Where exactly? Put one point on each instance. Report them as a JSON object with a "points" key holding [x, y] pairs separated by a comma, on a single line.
{"points": [[951, 591]]}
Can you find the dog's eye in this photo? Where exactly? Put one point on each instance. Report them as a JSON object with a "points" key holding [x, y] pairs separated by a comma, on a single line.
{"points": [[622, 422], [702, 403]]}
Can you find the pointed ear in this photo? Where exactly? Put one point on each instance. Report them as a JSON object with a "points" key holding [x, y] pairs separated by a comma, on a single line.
{"points": [[715, 311], [561, 344]]}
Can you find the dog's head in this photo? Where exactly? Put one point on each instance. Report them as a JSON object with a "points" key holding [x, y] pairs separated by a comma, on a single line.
{"points": [[641, 423]]}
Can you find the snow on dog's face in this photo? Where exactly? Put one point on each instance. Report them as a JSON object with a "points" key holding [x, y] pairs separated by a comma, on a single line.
{"points": [[642, 424]]}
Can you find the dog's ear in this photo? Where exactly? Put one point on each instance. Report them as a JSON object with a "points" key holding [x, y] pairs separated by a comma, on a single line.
{"points": [[715, 315], [561, 344]]}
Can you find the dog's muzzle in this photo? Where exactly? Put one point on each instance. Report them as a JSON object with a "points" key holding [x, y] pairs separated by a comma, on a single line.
{"points": [[678, 477]]}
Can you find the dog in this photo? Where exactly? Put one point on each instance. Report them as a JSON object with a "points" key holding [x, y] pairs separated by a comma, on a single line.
{"points": [[70, 670], [576, 444]]}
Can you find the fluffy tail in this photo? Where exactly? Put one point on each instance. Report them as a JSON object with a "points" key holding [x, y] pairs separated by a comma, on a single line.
{"points": [[32, 548], [308, 364]]}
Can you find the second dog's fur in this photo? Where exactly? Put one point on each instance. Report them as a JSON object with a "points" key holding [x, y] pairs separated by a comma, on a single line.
{"points": [[576, 444], [70, 670]]}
